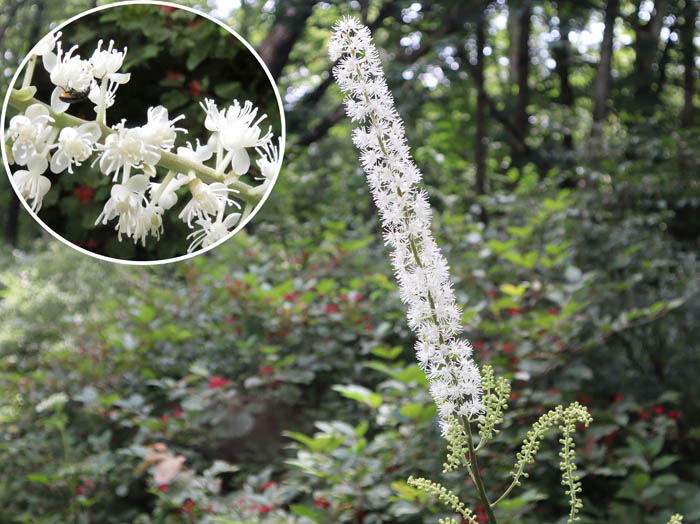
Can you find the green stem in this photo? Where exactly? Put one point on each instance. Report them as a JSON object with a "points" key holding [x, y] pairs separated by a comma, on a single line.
{"points": [[102, 105], [162, 187], [246, 211], [171, 161], [29, 72], [512, 484], [572, 486], [477, 476], [66, 458]]}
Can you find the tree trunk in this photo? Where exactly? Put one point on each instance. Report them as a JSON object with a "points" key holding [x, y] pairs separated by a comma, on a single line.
{"points": [[561, 52], [602, 78], [690, 13], [519, 30], [645, 47], [480, 138], [288, 26], [10, 14]]}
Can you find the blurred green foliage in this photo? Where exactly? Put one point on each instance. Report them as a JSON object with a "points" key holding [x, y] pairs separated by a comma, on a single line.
{"points": [[285, 352]]}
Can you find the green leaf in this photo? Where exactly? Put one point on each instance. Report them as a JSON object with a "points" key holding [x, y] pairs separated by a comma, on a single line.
{"points": [[361, 394], [640, 480], [305, 511], [664, 461], [198, 54], [39, 478], [146, 314], [325, 285], [514, 291], [418, 411], [386, 352], [24, 94]]}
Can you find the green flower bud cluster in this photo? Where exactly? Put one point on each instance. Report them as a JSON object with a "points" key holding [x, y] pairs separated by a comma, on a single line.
{"points": [[496, 393], [567, 420], [445, 496]]}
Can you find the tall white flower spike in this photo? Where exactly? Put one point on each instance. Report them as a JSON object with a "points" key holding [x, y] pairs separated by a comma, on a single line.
{"points": [[421, 270], [30, 182]]}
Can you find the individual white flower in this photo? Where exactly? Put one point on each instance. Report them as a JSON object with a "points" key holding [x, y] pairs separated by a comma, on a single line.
{"points": [[125, 200], [159, 131], [270, 160], [167, 197], [30, 182], [145, 220], [29, 133], [202, 153], [68, 73], [212, 232], [46, 44], [74, 146], [96, 92], [106, 62], [52, 401], [207, 199], [125, 149], [421, 270], [236, 129]]}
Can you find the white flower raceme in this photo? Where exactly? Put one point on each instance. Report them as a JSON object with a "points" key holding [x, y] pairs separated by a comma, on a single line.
{"points": [[126, 149], [30, 182], [421, 270], [74, 145], [160, 132], [68, 73], [235, 129], [53, 401], [270, 161], [207, 199], [212, 232], [29, 133]]}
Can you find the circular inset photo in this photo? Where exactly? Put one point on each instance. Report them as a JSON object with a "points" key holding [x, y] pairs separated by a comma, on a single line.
{"points": [[142, 132]]}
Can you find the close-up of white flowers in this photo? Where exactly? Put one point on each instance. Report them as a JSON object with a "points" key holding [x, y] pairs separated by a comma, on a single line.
{"points": [[146, 173]]}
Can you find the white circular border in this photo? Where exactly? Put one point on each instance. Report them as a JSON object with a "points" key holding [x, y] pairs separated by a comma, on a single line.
{"points": [[145, 262]]}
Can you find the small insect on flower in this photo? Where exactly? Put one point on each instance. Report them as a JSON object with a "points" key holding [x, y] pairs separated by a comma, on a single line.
{"points": [[72, 96]]}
